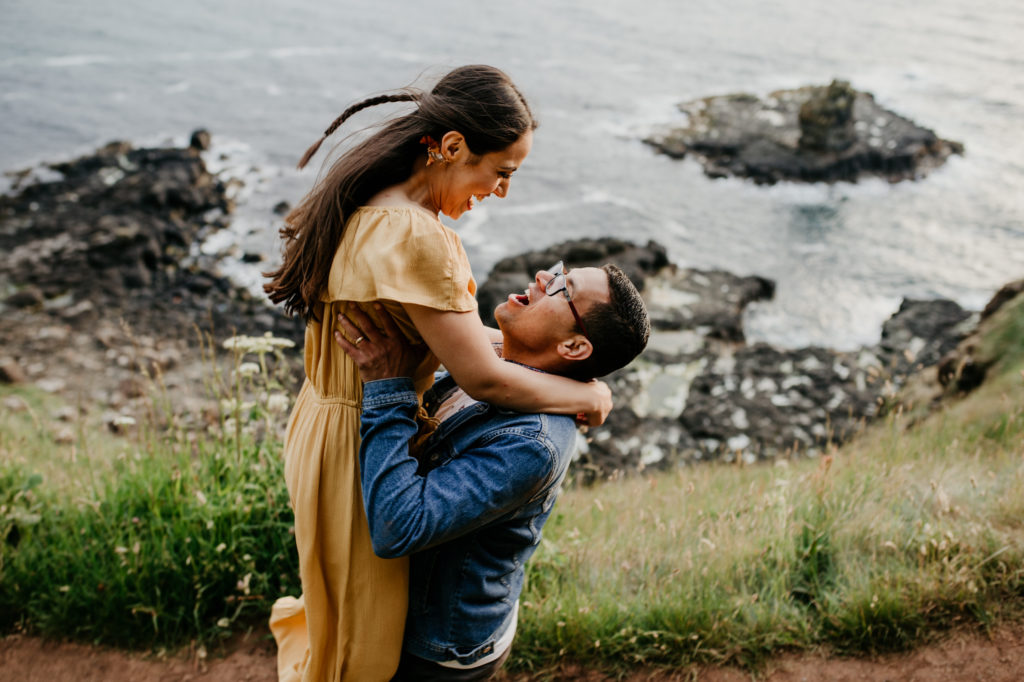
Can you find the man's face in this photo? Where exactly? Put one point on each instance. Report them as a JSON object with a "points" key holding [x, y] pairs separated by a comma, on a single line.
{"points": [[534, 323]]}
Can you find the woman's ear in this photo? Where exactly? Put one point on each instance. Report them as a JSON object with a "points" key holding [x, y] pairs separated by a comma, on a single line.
{"points": [[575, 348], [453, 146]]}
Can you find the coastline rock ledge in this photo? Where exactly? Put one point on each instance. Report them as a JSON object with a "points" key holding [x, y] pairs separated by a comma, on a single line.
{"points": [[811, 134]]}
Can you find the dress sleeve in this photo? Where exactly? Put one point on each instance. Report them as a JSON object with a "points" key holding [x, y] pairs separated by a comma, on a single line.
{"points": [[403, 255]]}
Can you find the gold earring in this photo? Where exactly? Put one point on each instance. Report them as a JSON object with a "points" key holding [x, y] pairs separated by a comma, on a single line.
{"points": [[433, 150]]}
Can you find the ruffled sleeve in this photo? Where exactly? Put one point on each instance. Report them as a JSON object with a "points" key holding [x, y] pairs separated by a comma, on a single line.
{"points": [[403, 255]]}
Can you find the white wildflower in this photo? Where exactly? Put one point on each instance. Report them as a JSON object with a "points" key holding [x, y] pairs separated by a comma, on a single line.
{"points": [[121, 550], [248, 369], [64, 588], [243, 584], [277, 403], [278, 342], [229, 405], [223, 623], [201, 497], [221, 547], [123, 420], [256, 344], [242, 344]]}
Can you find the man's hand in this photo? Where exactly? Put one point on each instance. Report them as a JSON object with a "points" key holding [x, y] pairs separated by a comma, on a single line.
{"points": [[380, 353], [602, 406]]}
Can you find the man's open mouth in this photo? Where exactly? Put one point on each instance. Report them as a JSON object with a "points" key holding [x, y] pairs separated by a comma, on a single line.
{"points": [[521, 299]]}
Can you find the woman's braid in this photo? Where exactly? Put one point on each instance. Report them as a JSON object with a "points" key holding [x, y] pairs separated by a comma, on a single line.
{"points": [[348, 113]]}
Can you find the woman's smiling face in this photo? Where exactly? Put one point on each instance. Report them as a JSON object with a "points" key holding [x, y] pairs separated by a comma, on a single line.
{"points": [[467, 178]]}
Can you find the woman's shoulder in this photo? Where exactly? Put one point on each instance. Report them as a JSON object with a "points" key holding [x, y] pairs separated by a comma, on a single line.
{"points": [[398, 219], [396, 227], [401, 253]]}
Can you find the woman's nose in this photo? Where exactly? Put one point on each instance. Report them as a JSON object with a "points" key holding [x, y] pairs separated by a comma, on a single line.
{"points": [[502, 189]]}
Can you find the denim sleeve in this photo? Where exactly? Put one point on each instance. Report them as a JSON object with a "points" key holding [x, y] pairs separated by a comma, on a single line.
{"points": [[408, 513]]}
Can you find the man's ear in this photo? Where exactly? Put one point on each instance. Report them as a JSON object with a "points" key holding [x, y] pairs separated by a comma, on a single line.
{"points": [[453, 146], [575, 348]]}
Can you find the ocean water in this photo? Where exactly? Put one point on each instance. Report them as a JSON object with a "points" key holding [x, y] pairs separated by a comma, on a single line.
{"points": [[267, 77]]}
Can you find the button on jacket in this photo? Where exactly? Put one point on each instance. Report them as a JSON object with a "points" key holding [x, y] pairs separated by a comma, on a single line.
{"points": [[470, 517]]}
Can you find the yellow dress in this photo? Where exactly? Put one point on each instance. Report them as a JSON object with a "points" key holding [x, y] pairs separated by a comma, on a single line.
{"points": [[348, 623]]}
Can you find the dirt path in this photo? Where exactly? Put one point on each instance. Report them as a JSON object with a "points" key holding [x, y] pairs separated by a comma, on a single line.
{"points": [[962, 656]]}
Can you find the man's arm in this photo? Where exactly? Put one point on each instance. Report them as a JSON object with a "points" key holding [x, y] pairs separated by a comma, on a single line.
{"points": [[408, 513]]}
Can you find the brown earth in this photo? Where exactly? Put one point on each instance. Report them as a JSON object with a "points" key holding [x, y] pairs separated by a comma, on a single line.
{"points": [[997, 656]]}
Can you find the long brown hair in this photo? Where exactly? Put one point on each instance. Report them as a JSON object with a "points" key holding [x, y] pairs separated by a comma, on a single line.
{"points": [[481, 102]]}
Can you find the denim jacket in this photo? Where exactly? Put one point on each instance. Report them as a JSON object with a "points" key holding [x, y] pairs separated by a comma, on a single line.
{"points": [[474, 518]]}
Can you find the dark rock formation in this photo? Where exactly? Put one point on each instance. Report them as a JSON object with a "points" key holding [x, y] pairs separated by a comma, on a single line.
{"points": [[711, 301], [826, 119], [516, 272], [116, 236], [200, 140], [1006, 293], [768, 402], [104, 289], [811, 134], [963, 368], [921, 333]]}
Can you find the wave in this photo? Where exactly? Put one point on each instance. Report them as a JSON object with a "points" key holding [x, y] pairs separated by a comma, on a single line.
{"points": [[303, 51], [75, 60], [538, 208]]}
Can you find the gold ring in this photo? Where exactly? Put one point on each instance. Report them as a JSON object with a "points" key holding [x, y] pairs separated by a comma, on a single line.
{"points": [[359, 340]]}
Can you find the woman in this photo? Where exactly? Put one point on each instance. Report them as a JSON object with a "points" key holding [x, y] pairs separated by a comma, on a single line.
{"points": [[369, 231]]}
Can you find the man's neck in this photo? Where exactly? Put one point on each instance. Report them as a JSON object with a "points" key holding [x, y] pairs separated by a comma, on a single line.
{"points": [[531, 361]]}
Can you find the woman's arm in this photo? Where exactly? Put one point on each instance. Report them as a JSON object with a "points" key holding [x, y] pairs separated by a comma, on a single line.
{"points": [[463, 345], [493, 335]]}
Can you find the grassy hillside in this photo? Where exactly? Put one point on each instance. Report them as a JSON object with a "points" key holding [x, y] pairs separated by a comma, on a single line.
{"points": [[155, 540], [904, 533]]}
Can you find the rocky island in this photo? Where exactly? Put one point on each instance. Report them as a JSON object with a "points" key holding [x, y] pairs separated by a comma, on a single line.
{"points": [[812, 134]]}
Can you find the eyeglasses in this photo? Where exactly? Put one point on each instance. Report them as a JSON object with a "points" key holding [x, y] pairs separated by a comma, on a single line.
{"points": [[557, 284]]}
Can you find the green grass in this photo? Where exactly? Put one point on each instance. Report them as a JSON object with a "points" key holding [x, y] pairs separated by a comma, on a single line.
{"points": [[915, 528], [171, 548], [903, 534], [150, 539]]}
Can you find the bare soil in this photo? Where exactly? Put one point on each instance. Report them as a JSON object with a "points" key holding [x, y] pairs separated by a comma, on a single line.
{"points": [[996, 656]]}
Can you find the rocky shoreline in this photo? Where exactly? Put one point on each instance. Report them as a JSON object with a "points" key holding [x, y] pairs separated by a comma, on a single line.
{"points": [[812, 134], [101, 277], [700, 392]]}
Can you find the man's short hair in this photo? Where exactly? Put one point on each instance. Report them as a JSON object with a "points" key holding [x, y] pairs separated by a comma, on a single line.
{"points": [[618, 329]]}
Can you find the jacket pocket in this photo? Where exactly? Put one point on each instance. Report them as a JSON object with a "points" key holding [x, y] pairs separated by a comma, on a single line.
{"points": [[420, 580]]}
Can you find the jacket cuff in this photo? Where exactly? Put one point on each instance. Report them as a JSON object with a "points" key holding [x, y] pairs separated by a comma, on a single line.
{"points": [[388, 392]]}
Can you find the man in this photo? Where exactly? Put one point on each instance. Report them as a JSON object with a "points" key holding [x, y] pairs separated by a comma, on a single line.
{"points": [[470, 505]]}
